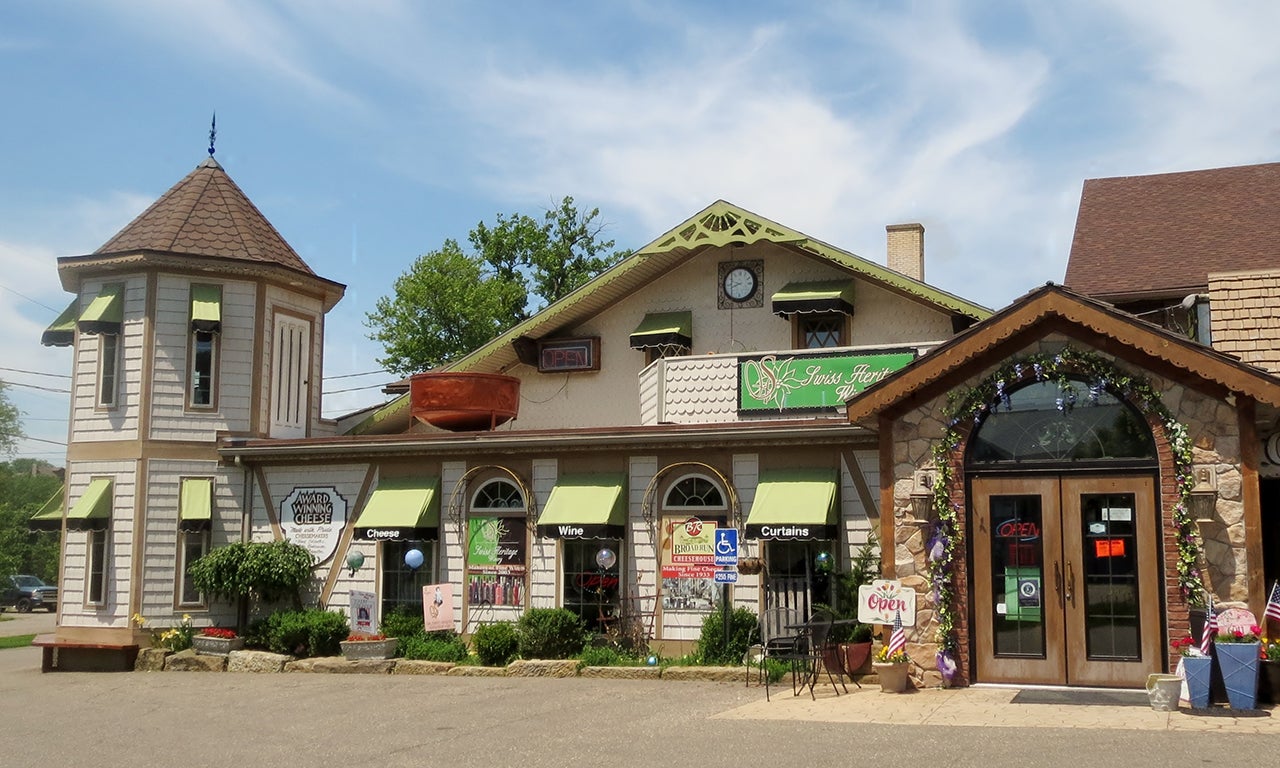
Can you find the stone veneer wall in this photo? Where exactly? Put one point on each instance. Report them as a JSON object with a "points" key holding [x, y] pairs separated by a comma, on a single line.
{"points": [[1214, 431]]}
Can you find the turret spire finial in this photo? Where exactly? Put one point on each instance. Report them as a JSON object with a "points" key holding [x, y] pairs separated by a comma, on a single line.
{"points": [[213, 132]]}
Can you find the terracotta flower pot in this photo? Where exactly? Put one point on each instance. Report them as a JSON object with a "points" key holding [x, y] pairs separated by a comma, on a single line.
{"points": [[893, 677]]}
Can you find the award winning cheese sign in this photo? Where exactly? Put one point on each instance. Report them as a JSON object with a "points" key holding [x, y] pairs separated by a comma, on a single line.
{"points": [[313, 518]]}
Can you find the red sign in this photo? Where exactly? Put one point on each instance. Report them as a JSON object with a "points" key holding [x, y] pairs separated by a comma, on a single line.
{"points": [[1022, 529], [1108, 548]]}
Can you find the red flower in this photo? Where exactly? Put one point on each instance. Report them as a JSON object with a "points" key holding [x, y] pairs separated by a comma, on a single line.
{"points": [[364, 638], [225, 634]]}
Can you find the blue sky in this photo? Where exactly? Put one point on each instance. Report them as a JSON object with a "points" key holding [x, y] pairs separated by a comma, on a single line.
{"points": [[369, 132]]}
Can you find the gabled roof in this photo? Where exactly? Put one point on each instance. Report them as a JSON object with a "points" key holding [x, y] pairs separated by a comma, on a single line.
{"points": [[1054, 309], [206, 214], [720, 223], [1163, 235]]}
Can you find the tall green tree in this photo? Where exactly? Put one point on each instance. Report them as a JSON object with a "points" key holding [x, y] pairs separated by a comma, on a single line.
{"points": [[450, 301], [25, 485], [10, 424]]}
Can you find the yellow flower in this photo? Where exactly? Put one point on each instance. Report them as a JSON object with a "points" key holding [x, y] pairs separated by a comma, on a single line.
{"points": [[139, 620], [186, 618]]}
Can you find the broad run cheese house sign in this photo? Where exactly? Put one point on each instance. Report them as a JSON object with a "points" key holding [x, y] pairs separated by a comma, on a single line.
{"points": [[811, 382]]}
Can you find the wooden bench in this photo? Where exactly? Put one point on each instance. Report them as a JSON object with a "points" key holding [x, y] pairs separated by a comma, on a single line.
{"points": [[82, 656]]}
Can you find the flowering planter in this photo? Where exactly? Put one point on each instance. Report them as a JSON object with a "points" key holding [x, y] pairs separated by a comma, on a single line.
{"points": [[1240, 663], [357, 650], [216, 646], [1196, 670], [893, 677]]}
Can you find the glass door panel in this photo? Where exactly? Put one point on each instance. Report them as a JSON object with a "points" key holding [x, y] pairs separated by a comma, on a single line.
{"points": [[1110, 576], [1017, 562]]}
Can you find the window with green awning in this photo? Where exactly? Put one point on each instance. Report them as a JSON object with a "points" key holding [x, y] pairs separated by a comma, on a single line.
{"points": [[664, 329], [49, 516], [195, 504], [585, 506], [92, 512], [401, 509], [794, 504], [206, 308], [62, 332], [819, 296], [105, 314]]}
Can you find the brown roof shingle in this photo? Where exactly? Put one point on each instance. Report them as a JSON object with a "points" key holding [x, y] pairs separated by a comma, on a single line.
{"points": [[1162, 235], [206, 214]]}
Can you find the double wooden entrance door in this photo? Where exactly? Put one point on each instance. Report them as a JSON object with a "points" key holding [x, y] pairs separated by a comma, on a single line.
{"points": [[1067, 587]]}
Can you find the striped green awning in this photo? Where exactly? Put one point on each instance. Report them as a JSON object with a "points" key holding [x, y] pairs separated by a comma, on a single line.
{"points": [[49, 517], [105, 313], [794, 504], [586, 506], [821, 296], [664, 329], [401, 509], [206, 308], [195, 504], [62, 332], [93, 510]]}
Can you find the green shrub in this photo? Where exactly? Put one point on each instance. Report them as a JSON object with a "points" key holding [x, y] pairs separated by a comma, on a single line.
{"points": [[438, 646], [711, 648], [604, 656], [551, 633], [266, 571], [495, 644], [403, 623], [312, 632]]}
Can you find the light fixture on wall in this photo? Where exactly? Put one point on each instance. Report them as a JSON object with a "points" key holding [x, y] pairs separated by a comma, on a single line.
{"points": [[1204, 494], [922, 493]]}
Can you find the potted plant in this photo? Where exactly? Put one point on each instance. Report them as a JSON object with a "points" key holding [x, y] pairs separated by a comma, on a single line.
{"points": [[1269, 675], [852, 637], [1239, 653], [892, 669], [1195, 668], [216, 641], [358, 647]]}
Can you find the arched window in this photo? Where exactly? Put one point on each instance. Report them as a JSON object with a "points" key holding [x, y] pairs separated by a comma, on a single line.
{"points": [[497, 545], [694, 492], [1046, 423]]}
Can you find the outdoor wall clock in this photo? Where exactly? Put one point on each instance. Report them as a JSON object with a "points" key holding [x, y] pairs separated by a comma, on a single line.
{"points": [[740, 284]]}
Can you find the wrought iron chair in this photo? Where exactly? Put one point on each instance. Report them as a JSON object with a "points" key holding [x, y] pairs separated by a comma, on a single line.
{"points": [[809, 661], [777, 637]]}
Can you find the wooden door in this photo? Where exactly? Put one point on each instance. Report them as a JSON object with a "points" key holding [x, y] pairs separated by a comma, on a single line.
{"points": [[1066, 580]]}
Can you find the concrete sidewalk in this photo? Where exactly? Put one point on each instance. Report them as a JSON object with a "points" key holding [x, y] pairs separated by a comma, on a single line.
{"points": [[989, 706]]}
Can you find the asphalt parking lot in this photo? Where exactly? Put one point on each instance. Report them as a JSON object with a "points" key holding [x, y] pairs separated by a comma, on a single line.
{"points": [[130, 719]]}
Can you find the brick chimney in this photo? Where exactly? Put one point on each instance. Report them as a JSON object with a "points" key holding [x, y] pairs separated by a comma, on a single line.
{"points": [[906, 249]]}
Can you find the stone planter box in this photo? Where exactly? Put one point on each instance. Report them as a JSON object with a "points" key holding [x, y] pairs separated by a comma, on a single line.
{"points": [[216, 646], [356, 650]]}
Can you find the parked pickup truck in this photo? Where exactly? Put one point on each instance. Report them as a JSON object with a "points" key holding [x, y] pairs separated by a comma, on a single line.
{"points": [[26, 593]]}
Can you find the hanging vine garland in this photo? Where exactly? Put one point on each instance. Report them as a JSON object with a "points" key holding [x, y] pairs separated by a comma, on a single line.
{"points": [[969, 407]]}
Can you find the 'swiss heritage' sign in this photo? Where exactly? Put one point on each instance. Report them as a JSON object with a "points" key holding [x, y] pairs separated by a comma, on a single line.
{"points": [[811, 382], [314, 518]]}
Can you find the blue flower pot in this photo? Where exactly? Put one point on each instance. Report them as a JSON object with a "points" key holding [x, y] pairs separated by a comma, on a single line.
{"points": [[1196, 670], [1240, 672]]}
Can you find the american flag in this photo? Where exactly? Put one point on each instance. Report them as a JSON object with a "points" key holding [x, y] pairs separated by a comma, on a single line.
{"points": [[897, 640], [1273, 603], [1210, 628]]}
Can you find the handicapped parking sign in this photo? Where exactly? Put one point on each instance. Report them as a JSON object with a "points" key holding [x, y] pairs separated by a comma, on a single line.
{"points": [[726, 547]]}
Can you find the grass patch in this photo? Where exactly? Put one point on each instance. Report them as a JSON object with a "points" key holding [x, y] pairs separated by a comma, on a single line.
{"points": [[17, 641]]}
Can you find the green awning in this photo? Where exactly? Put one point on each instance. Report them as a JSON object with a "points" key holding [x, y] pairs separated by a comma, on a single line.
{"points": [[93, 510], [794, 504], [585, 507], [822, 296], [195, 505], [664, 329], [105, 313], [49, 517], [206, 308], [401, 509], [62, 332]]}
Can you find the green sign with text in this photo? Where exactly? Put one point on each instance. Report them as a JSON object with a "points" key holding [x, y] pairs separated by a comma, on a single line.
{"points": [[811, 382]]}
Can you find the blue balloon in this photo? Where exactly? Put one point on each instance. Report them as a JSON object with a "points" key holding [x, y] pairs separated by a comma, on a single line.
{"points": [[413, 558]]}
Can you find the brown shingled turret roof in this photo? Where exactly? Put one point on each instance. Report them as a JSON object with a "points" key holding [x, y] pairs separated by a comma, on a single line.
{"points": [[206, 214], [1163, 235]]}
